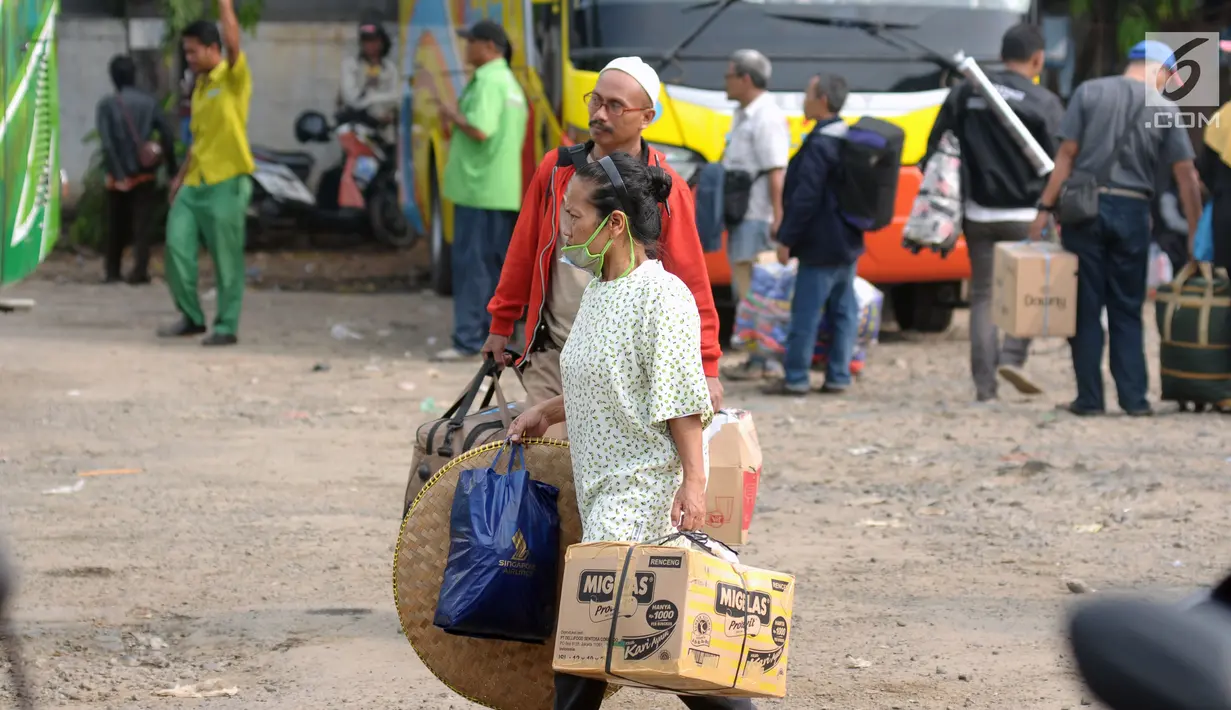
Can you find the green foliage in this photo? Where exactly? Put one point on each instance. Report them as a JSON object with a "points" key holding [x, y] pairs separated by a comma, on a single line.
{"points": [[1133, 26], [89, 227], [1135, 17], [181, 13]]}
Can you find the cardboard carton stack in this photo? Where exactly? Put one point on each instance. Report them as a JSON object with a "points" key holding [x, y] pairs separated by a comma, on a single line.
{"points": [[673, 619]]}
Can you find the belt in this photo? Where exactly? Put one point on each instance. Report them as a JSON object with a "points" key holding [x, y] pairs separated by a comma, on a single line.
{"points": [[1121, 192]]}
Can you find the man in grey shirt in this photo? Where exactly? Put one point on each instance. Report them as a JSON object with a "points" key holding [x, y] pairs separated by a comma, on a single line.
{"points": [[1108, 124]]}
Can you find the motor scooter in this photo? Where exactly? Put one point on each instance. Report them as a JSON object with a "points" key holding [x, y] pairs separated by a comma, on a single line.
{"points": [[358, 195]]}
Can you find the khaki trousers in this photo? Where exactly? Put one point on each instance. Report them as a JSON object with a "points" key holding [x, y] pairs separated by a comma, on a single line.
{"points": [[542, 380]]}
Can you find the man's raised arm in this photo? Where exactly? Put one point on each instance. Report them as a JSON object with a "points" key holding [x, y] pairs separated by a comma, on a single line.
{"points": [[230, 29]]}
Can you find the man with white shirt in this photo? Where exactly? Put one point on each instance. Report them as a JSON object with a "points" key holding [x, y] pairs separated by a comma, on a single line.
{"points": [[1002, 191], [759, 146]]}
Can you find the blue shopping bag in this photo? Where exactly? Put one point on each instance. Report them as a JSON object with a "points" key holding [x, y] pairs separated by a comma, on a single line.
{"points": [[504, 549], [1203, 245]]}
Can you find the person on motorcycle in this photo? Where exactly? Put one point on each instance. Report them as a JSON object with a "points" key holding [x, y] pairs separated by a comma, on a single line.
{"points": [[371, 83]]}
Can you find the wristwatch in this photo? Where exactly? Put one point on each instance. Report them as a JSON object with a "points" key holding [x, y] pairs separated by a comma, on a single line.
{"points": [[1044, 208]]}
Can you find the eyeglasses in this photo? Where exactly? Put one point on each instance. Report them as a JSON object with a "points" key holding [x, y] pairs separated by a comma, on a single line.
{"points": [[614, 108]]}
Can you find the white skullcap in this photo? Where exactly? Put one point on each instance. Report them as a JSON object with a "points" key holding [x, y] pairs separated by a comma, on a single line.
{"points": [[639, 70]]}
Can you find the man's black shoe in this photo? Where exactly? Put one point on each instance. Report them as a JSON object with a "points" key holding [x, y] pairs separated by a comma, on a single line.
{"points": [[1147, 412], [216, 339], [138, 279], [1078, 411], [180, 328]]}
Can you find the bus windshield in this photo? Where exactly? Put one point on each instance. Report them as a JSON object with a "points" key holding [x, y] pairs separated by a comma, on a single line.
{"points": [[604, 29]]}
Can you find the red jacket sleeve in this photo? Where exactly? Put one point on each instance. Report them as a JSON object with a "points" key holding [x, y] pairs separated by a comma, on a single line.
{"points": [[681, 254], [517, 274]]}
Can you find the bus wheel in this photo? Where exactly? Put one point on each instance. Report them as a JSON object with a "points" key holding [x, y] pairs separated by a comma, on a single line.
{"points": [[927, 308], [442, 251]]}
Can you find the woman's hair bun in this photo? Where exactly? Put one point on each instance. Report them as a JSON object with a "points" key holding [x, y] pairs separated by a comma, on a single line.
{"points": [[660, 183]]}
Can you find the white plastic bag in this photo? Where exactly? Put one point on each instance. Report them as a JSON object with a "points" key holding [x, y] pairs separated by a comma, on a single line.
{"points": [[1160, 271]]}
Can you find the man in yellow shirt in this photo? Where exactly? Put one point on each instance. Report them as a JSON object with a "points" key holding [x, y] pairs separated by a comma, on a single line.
{"points": [[209, 197]]}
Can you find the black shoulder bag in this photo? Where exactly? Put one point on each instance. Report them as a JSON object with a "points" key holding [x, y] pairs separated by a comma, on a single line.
{"points": [[1078, 201], [737, 193]]}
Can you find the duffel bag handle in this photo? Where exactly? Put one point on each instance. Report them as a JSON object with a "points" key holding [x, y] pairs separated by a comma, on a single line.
{"points": [[460, 408], [505, 419], [495, 375], [455, 416], [1192, 268], [1207, 272]]}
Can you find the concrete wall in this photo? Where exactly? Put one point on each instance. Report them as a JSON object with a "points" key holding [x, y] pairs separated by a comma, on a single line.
{"points": [[295, 68]]}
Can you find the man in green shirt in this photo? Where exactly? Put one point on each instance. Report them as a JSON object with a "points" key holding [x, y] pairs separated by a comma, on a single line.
{"points": [[483, 180]]}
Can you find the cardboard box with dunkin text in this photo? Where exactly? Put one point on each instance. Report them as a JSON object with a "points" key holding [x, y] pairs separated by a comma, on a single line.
{"points": [[734, 476], [1034, 290], [673, 619]]}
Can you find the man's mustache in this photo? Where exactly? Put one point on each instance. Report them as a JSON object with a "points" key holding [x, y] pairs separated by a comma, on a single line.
{"points": [[601, 126]]}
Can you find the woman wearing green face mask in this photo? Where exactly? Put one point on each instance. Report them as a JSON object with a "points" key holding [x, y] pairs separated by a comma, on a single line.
{"points": [[635, 396]]}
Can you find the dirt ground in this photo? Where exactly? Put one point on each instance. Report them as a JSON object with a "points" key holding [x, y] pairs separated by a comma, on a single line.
{"points": [[932, 538]]}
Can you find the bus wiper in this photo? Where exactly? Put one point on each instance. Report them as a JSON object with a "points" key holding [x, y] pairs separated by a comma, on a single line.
{"points": [[888, 32], [720, 6]]}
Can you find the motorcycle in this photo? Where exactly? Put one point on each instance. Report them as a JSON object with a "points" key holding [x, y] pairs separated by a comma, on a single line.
{"points": [[359, 194]]}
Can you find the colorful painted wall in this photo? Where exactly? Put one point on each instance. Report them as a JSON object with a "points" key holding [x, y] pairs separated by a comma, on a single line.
{"points": [[29, 157]]}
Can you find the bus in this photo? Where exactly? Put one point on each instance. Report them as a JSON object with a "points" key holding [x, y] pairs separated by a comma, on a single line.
{"points": [[895, 56], [29, 136]]}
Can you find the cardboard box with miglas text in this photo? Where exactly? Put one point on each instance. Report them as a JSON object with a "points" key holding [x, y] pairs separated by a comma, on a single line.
{"points": [[1034, 290], [686, 621], [735, 474]]}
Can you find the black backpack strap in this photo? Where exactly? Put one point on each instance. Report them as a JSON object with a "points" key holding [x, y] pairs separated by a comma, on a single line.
{"points": [[574, 155]]}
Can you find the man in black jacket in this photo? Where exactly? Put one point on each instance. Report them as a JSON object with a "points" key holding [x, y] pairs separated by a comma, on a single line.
{"points": [[126, 120], [827, 247], [1001, 191]]}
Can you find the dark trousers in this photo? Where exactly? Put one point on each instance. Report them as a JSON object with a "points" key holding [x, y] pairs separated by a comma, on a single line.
{"points": [[1113, 255], [480, 242], [829, 292], [987, 353], [130, 221], [576, 693]]}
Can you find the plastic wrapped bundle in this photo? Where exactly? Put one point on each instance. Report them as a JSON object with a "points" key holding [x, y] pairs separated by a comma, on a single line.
{"points": [[763, 318], [936, 216], [764, 314], [871, 302]]}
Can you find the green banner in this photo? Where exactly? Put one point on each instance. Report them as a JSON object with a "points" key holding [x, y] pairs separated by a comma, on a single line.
{"points": [[29, 136]]}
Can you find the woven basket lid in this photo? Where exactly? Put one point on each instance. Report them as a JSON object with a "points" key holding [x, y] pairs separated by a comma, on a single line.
{"points": [[502, 675]]}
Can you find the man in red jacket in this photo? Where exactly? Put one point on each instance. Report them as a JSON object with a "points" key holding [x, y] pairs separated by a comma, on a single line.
{"points": [[621, 106]]}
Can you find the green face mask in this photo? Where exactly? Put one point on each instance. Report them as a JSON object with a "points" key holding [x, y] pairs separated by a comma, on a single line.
{"points": [[579, 255]]}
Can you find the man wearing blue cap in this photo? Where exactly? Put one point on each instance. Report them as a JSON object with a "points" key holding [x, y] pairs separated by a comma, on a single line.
{"points": [[1113, 144]]}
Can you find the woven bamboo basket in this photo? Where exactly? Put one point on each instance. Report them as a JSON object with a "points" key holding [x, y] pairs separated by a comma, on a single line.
{"points": [[501, 675]]}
